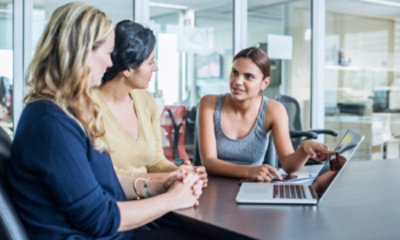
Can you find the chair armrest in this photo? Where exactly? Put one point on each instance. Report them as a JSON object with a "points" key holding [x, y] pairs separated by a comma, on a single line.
{"points": [[306, 134], [325, 131]]}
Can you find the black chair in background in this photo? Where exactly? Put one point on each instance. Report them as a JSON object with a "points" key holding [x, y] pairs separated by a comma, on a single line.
{"points": [[297, 133], [176, 134], [10, 226], [173, 125], [271, 158], [190, 131], [196, 151]]}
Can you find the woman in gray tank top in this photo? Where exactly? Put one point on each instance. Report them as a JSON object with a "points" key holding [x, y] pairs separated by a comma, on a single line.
{"points": [[234, 128]]}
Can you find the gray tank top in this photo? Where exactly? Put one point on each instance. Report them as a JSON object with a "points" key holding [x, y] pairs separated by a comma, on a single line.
{"points": [[249, 150]]}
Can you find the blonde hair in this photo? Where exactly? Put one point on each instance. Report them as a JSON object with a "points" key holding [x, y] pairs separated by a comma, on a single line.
{"points": [[59, 69]]}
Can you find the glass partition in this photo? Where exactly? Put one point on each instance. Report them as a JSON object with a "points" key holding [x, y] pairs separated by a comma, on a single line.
{"points": [[194, 49], [282, 29], [194, 53], [362, 70], [6, 64]]}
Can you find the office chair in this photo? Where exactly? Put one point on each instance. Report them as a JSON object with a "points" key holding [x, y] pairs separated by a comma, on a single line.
{"points": [[297, 134], [271, 157], [173, 123], [10, 226], [196, 151], [190, 131]]}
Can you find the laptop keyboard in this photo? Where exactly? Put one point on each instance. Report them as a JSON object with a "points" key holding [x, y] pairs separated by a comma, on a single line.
{"points": [[289, 191]]}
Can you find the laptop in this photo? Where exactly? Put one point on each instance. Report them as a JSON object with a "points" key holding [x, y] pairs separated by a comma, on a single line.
{"points": [[289, 192]]}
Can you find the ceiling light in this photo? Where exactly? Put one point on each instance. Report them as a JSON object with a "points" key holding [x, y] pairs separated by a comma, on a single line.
{"points": [[166, 5], [383, 2]]}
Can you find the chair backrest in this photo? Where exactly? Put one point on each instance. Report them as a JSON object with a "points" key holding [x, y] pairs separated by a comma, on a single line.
{"points": [[173, 128], [271, 158], [190, 131], [10, 226], [293, 110], [196, 151]]}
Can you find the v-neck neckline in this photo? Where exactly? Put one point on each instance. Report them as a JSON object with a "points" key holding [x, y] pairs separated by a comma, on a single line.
{"points": [[115, 121]]}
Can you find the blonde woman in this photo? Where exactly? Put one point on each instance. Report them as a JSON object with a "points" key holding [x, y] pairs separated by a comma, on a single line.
{"points": [[61, 176], [130, 117]]}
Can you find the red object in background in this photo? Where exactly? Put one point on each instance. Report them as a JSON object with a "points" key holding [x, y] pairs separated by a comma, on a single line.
{"points": [[173, 127]]}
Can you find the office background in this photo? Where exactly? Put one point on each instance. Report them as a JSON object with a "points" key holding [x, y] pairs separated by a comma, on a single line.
{"points": [[339, 58]]}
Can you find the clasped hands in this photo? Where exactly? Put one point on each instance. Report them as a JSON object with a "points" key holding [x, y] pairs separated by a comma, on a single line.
{"points": [[183, 184], [198, 170]]}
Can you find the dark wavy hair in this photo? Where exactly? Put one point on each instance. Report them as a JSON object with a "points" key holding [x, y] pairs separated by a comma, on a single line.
{"points": [[133, 44], [258, 56]]}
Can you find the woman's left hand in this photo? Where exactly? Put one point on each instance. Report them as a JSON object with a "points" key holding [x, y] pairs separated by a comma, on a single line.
{"points": [[316, 150], [199, 170]]}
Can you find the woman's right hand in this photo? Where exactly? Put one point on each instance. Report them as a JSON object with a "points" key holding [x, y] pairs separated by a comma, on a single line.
{"points": [[186, 191], [199, 170], [263, 173]]}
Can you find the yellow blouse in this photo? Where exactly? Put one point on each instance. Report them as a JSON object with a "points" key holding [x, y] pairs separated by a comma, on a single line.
{"points": [[131, 157]]}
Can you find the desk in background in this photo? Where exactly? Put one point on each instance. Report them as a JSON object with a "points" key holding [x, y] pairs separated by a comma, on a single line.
{"points": [[364, 203], [381, 131]]}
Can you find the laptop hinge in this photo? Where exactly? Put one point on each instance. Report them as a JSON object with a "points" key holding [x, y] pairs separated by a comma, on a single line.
{"points": [[313, 193]]}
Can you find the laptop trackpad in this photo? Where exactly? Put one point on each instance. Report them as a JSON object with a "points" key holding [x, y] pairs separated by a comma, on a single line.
{"points": [[257, 190]]}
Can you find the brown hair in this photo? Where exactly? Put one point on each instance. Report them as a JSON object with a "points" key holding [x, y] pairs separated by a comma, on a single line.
{"points": [[259, 58]]}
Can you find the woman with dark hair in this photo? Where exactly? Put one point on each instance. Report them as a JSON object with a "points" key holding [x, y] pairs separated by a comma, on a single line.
{"points": [[130, 117], [234, 127]]}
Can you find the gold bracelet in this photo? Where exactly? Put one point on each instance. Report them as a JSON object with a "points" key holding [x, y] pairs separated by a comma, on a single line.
{"points": [[135, 187]]}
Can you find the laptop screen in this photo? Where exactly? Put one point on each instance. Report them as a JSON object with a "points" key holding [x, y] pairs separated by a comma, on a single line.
{"points": [[329, 171]]}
